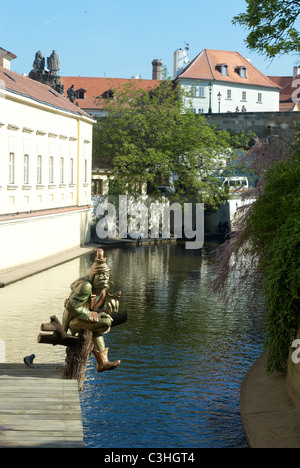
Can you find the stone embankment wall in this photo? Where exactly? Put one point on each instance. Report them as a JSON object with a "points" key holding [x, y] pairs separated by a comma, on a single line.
{"points": [[263, 124]]}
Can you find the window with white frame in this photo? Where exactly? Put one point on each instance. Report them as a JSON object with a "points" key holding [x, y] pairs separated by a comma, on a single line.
{"points": [[39, 170], [61, 171], [229, 95], [241, 71], [244, 95], [26, 169], [222, 68], [85, 171], [51, 169], [259, 97], [71, 171], [11, 168], [199, 91]]}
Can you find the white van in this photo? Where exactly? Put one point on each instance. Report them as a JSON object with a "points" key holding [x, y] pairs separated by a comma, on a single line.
{"points": [[236, 184]]}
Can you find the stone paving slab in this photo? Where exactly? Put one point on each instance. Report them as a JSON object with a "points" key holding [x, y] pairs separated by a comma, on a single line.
{"points": [[269, 416], [12, 275]]}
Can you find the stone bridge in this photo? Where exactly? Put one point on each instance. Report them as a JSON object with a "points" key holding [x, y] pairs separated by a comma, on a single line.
{"points": [[263, 124]]}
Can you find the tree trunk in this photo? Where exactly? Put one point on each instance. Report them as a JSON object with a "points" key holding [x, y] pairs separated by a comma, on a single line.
{"points": [[77, 357]]}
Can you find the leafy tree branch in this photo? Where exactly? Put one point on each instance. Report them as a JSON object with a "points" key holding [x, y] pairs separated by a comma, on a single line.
{"points": [[272, 26]]}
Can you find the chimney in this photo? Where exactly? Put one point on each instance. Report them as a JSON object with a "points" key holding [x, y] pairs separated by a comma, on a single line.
{"points": [[296, 72], [157, 69], [5, 58]]}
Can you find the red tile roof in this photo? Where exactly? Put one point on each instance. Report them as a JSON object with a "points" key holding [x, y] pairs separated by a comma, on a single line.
{"points": [[286, 102], [25, 86], [97, 87], [206, 66]]}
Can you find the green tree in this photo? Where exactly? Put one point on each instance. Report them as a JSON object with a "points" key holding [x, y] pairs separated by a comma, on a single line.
{"points": [[272, 26], [274, 229], [264, 252], [148, 137]]}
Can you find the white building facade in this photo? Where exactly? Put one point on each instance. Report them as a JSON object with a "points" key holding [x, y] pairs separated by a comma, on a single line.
{"points": [[45, 176], [222, 81], [222, 97]]}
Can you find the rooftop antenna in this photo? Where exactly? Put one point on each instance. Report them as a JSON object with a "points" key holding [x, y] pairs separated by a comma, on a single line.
{"points": [[186, 52], [180, 60]]}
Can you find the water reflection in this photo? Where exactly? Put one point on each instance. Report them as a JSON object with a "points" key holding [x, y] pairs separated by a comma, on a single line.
{"points": [[184, 354]]}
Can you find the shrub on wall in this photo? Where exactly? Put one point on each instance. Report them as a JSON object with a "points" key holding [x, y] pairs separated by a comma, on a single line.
{"points": [[274, 229], [264, 249]]}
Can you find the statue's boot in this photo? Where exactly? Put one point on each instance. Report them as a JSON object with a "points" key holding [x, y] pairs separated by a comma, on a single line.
{"points": [[103, 363]]}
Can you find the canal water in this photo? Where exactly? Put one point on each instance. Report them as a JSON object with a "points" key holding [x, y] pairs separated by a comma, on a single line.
{"points": [[184, 353]]}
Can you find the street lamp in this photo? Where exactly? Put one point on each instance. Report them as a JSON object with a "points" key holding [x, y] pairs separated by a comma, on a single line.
{"points": [[219, 100], [210, 88]]}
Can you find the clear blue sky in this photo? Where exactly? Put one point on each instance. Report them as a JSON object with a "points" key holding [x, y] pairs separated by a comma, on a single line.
{"points": [[120, 38]]}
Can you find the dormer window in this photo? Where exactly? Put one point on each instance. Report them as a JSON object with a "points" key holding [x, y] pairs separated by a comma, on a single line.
{"points": [[80, 93], [222, 68], [108, 94], [241, 71]]}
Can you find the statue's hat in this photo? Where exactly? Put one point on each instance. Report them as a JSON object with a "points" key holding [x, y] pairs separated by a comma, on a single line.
{"points": [[99, 265]]}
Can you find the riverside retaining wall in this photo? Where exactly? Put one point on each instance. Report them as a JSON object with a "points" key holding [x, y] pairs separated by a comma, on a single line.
{"points": [[263, 124]]}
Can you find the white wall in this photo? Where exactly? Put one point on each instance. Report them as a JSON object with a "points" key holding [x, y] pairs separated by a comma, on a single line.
{"points": [[38, 220], [269, 97], [226, 212], [27, 129], [25, 240]]}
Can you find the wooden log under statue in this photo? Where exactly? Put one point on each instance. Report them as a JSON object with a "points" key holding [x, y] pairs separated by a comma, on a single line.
{"points": [[77, 358], [78, 348]]}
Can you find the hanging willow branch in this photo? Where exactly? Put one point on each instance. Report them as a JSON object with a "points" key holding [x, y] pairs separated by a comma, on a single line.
{"points": [[238, 256]]}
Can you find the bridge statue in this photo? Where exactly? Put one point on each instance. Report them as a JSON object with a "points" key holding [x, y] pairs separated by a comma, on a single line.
{"points": [[89, 313], [48, 77], [72, 93], [53, 63], [39, 61]]}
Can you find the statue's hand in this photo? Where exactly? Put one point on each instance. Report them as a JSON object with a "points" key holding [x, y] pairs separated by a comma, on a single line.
{"points": [[103, 315], [112, 306], [106, 318]]}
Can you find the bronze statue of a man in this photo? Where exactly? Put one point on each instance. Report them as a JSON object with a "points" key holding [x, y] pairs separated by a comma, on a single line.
{"points": [[88, 307]]}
